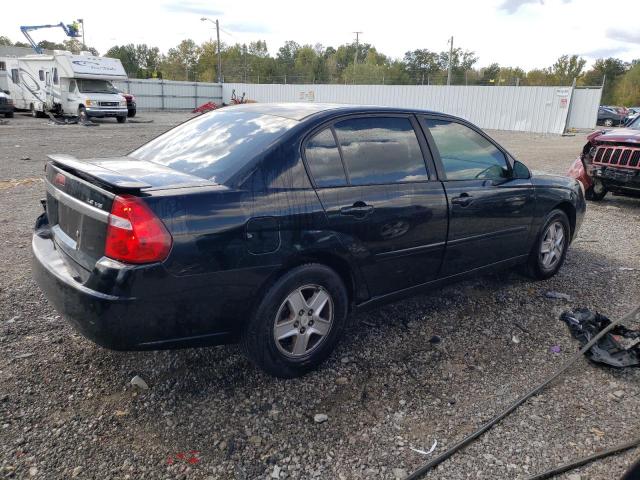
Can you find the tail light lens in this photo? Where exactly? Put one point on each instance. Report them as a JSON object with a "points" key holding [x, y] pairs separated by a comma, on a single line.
{"points": [[135, 234]]}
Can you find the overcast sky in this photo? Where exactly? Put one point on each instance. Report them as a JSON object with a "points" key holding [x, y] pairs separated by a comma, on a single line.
{"points": [[525, 33]]}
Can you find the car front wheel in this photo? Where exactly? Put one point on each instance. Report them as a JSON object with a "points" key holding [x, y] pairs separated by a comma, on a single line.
{"points": [[608, 122], [298, 322], [550, 248], [595, 192]]}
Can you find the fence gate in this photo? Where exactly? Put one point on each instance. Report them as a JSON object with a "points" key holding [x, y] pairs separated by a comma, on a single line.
{"points": [[583, 113]]}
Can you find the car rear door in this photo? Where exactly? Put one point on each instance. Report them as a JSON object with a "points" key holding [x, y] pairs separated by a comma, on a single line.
{"points": [[490, 210], [372, 180]]}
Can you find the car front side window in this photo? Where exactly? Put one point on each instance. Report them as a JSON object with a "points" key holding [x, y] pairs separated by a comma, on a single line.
{"points": [[380, 150], [465, 154]]}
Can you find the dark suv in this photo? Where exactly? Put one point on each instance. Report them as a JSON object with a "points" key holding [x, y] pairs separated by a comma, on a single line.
{"points": [[269, 224]]}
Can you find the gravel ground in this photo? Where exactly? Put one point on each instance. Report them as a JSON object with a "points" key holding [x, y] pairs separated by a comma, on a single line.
{"points": [[67, 409]]}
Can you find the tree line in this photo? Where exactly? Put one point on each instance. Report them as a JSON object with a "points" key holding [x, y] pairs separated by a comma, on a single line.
{"points": [[358, 63]]}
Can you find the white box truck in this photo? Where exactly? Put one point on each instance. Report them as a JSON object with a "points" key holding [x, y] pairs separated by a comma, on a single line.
{"points": [[66, 84]]}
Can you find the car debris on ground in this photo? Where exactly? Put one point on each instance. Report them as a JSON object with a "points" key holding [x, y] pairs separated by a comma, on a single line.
{"points": [[619, 348]]}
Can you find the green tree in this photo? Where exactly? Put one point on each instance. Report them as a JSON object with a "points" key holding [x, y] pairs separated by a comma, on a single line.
{"points": [[609, 70], [421, 62], [627, 89], [181, 61], [127, 56], [566, 69], [5, 42]]}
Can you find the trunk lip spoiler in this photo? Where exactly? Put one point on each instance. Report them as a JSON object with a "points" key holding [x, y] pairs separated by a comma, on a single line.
{"points": [[104, 175]]}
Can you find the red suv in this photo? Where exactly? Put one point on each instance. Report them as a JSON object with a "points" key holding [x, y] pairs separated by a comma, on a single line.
{"points": [[610, 162]]}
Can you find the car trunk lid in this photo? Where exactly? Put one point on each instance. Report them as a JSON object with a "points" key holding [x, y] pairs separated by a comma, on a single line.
{"points": [[80, 196]]}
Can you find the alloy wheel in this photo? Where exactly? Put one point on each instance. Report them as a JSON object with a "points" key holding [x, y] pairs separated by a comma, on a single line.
{"points": [[303, 321], [552, 246]]}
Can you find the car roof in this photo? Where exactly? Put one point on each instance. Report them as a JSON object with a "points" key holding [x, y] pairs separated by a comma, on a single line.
{"points": [[300, 111]]}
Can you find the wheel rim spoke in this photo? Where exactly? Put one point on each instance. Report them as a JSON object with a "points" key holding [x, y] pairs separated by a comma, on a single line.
{"points": [[300, 344], [319, 301], [285, 330], [320, 327]]}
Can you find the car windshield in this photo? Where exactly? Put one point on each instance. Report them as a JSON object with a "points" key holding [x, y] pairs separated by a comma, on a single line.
{"points": [[215, 145], [96, 86], [635, 124]]}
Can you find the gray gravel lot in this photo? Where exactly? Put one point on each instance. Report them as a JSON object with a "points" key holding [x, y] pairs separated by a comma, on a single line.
{"points": [[67, 409]]}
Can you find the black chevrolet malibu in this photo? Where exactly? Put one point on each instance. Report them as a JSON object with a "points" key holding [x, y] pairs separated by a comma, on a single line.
{"points": [[269, 224]]}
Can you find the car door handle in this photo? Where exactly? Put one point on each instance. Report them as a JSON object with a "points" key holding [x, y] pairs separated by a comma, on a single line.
{"points": [[464, 200], [358, 209]]}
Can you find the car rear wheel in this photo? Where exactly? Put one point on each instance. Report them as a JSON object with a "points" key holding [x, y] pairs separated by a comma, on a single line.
{"points": [[550, 248], [131, 113], [608, 122], [8, 115], [298, 322]]}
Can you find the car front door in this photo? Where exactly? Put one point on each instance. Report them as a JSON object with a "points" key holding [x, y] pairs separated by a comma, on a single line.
{"points": [[490, 209], [372, 180]]}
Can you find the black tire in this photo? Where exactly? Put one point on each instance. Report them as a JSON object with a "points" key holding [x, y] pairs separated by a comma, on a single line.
{"points": [[258, 338], [82, 114], [536, 267], [121, 119], [131, 113], [608, 123], [596, 192], [8, 115]]}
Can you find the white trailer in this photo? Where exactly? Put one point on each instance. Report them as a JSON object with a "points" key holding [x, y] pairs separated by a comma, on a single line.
{"points": [[67, 84]]}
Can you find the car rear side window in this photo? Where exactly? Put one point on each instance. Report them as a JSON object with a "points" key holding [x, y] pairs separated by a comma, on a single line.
{"points": [[378, 150], [465, 154], [323, 158]]}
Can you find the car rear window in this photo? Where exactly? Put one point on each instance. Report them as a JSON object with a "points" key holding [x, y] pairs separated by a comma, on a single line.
{"points": [[215, 145]]}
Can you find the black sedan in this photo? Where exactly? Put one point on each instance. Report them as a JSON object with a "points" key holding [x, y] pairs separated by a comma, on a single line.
{"points": [[270, 224]]}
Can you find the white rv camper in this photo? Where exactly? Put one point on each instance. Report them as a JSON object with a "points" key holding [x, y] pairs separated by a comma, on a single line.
{"points": [[67, 84]]}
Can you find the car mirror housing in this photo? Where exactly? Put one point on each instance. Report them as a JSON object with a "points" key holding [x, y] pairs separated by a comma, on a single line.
{"points": [[520, 170]]}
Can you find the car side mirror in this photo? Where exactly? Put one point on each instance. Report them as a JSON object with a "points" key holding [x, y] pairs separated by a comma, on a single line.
{"points": [[520, 170]]}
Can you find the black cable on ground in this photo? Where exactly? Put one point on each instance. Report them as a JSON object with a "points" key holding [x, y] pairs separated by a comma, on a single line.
{"points": [[424, 469], [583, 461]]}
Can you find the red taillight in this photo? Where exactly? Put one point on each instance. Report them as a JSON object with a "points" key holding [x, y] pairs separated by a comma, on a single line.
{"points": [[134, 233]]}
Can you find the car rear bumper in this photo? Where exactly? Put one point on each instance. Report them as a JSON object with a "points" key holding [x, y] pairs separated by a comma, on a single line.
{"points": [[137, 314]]}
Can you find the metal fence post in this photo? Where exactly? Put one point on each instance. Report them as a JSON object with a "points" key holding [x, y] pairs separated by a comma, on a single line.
{"points": [[195, 85], [162, 94]]}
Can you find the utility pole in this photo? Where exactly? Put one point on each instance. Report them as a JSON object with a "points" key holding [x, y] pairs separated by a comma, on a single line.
{"points": [[81, 21], [244, 54], [219, 56], [217, 23], [450, 59], [355, 60]]}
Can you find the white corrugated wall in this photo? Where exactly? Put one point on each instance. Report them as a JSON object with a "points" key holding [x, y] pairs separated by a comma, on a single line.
{"points": [[527, 109], [155, 94]]}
